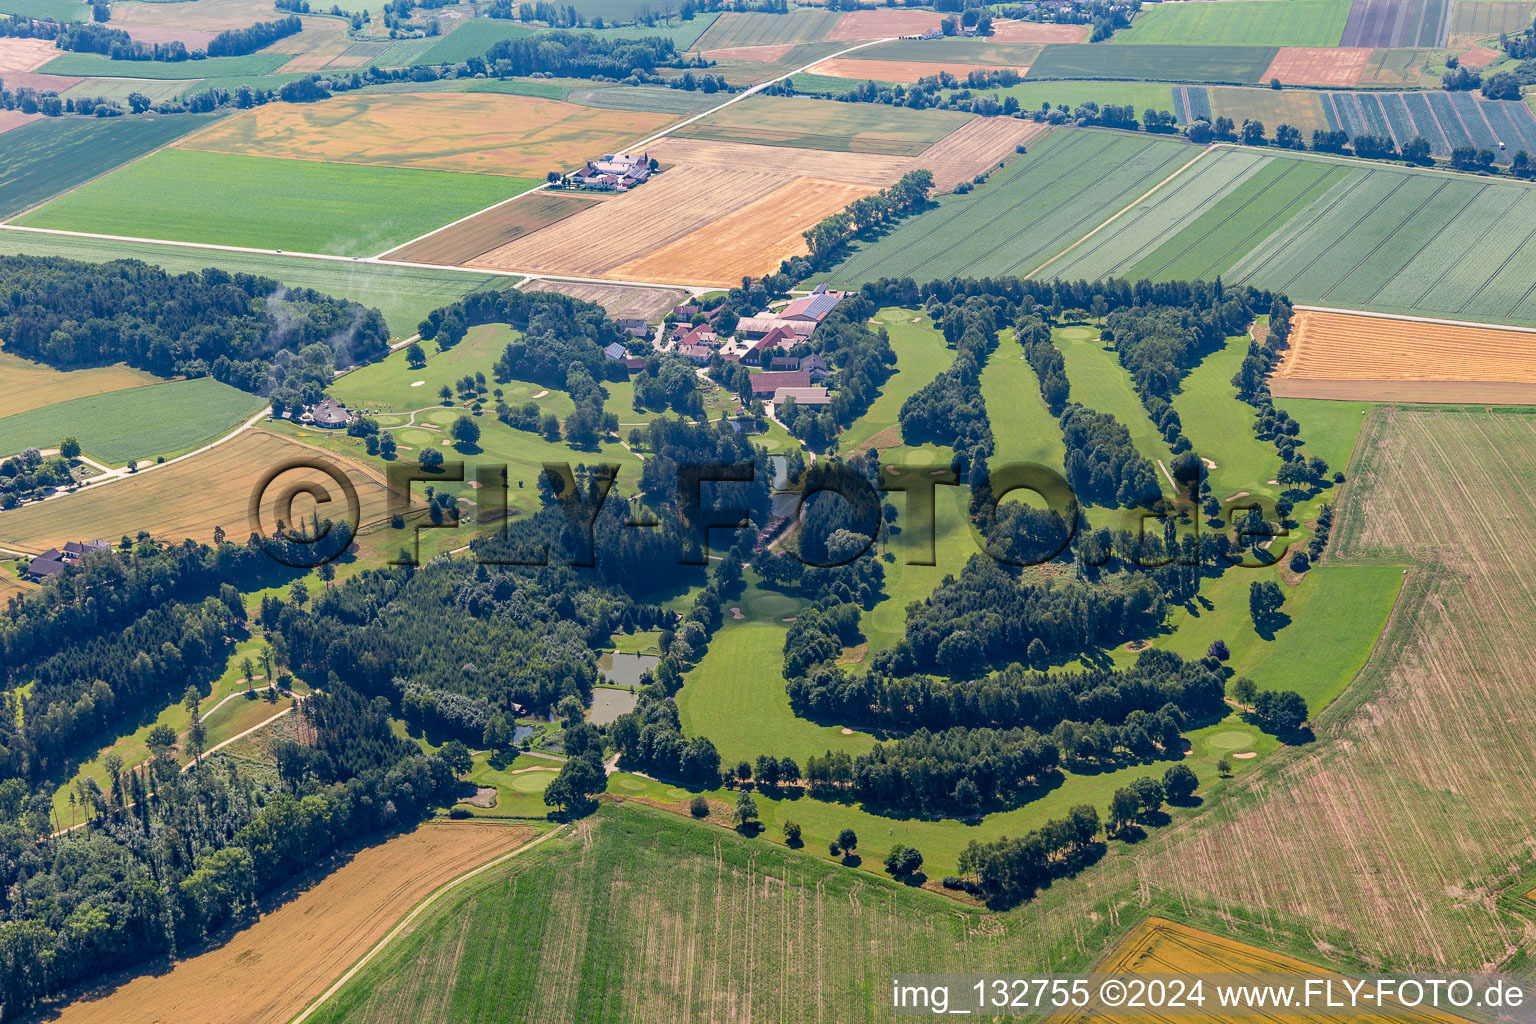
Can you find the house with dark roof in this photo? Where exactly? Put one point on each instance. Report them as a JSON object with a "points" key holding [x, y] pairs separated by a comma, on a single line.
{"points": [[53, 561], [816, 366], [765, 384], [634, 325], [616, 352], [696, 354]]}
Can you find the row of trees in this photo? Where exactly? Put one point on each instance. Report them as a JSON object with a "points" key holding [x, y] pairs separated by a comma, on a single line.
{"points": [[88, 37]]}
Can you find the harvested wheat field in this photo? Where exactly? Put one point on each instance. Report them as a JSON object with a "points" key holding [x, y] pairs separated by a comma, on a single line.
{"points": [[319, 46], [26, 385], [24, 55], [1161, 947], [976, 146], [480, 234], [183, 20], [618, 300], [484, 133], [11, 119], [1356, 356], [749, 242], [268, 972], [879, 24], [1336, 67], [1479, 57], [897, 70], [192, 497], [627, 227], [730, 157], [1005, 31], [752, 54], [1392, 833]]}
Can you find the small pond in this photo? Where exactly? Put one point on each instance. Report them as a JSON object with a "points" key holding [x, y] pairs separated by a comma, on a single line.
{"points": [[608, 704], [625, 669]]}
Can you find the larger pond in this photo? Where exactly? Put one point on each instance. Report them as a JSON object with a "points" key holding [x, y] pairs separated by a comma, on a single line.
{"points": [[625, 669]]}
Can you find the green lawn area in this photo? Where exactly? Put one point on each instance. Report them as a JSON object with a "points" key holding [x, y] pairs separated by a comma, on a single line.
{"points": [[519, 791], [137, 423], [471, 39], [1099, 381], [58, 10], [1243, 22], [1140, 95], [921, 355], [261, 202], [386, 386], [735, 695], [405, 295], [1023, 428], [1328, 428], [1184, 62], [1221, 427], [95, 65]]}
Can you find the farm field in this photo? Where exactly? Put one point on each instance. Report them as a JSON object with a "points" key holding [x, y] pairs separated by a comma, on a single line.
{"points": [[1300, 108], [471, 39], [135, 423], [358, 901], [641, 97], [25, 385], [485, 133], [1158, 947], [1408, 242], [1476, 20], [1397, 23], [1336, 66], [895, 71], [740, 29], [405, 295], [58, 10], [42, 159], [619, 300], [1244, 22], [220, 479], [1445, 121], [991, 51], [817, 124], [748, 242], [1410, 715], [477, 236], [12, 119], [118, 89], [207, 16], [267, 203], [1068, 184], [1032, 95], [1359, 355], [94, 65], [1233, 65], [1399, 69], [1004, 30]]}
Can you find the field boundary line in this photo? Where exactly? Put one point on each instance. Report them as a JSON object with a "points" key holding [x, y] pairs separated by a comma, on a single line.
{"points": [[1127, 209], [663, 133], [1513, 328], [416, 912]]}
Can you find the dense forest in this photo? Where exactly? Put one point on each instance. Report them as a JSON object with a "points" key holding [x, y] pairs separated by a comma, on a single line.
{"points": [[250, 332]]}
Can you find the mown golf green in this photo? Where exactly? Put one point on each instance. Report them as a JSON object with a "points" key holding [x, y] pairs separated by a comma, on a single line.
{"points": [[260, 202], [139, 423]]}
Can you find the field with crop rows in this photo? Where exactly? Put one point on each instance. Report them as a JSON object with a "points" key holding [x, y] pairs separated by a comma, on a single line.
{"points": [[272, 969], [817, 124], [405, 295], [1397, 23], [1300, 108], [619, 300], [739, 29], [135, 423], [1066, 185], [42, 159], [471, 39], [94, 65], [343, 209], [1336, 66], [183, 499], [477, 236], [26, 385], [1246, 22], [1446, 120], [1475, 20], [1233, 65], [481, 132], [1319, 833], [1404, 241], [954, 51]]}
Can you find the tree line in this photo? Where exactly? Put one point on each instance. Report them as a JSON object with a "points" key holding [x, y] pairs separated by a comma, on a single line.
{"points": [[86, 37]]}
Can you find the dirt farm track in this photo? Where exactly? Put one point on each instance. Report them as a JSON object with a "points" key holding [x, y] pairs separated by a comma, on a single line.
{"points": [[267, 973]]}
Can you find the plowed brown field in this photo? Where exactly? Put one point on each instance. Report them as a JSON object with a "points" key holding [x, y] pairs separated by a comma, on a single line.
{"points": [[731, 157], [882, 23], [268, 972], [484, 232], [1035, 32], [1337, 67], [751, 241], [974, 147], [618, 300], [481, 132], [753, 54], [190, 498], [1353, 356]]}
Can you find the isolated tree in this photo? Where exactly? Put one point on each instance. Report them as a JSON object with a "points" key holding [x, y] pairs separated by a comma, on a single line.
{"points": [[848, 839], [69, 447], [430, 458], [1265, 599], [192, 700], [1218, 650], [415, 356], [792, 833], [1179, 783], [1285, 710], [387, 445], [1244, 690], [1149, 792], [698, 806], [766, 772], [1124, 806], [746, 811], [1223, 767], [789, 771], [446, 394]]}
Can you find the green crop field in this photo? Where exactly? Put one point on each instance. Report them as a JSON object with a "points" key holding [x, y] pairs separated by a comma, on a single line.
{"points": [[643, 97], [1233, 65], [952, 51], [344, 209], [138, 423], [58, 10], [119, 89], [683, 33], [1300, 108], [1150, 222], [94, 65], [817, 124], [1406, 241], [1241, 22], [471, 39], [736, 29], [42, 159], [1068, 184], [1140, 95], [1209, 244], [405, 295]]}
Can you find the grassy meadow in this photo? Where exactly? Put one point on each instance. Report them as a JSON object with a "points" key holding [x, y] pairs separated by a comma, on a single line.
{"points": [[1241, 22], [341, 209], [95, 65]]}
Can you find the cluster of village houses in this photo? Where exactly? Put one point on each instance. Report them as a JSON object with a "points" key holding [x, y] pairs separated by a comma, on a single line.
{"points": [[763, 341]]}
